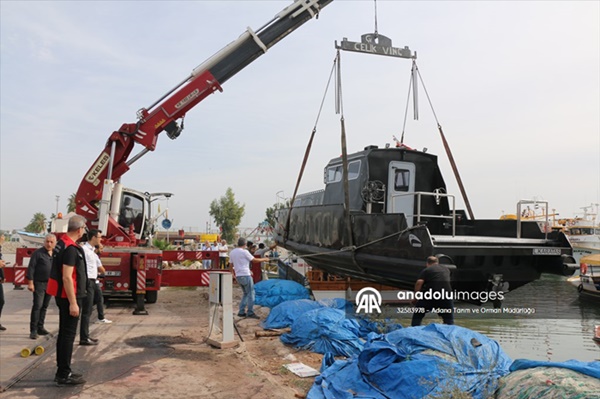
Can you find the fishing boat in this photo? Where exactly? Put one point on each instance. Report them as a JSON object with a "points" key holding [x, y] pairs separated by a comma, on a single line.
{"points": [[584, 232], [396, 211], [588, 281]]}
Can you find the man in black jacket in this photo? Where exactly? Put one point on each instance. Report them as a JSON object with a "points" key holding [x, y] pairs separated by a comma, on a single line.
{"points": [[435, 286], [38, 273]]}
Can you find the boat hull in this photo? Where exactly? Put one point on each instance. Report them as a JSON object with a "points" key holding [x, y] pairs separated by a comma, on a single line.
{"points": [[381, 248]]}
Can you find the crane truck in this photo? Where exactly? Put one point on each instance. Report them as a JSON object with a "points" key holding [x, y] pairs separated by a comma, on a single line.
{"points": [[133, 266]]}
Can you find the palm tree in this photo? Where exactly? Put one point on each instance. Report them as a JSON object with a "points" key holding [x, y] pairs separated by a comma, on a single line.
{"points": [[71, 204], [37, 224]]}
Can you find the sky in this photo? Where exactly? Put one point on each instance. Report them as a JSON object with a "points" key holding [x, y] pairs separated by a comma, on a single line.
{"points": [[515, 86]]}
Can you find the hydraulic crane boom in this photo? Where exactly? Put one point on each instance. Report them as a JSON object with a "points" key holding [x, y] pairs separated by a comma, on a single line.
{"points": [[95, 193]]}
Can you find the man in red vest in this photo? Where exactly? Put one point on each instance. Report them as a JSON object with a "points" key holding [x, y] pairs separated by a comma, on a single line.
{"points": [[67, 283]]}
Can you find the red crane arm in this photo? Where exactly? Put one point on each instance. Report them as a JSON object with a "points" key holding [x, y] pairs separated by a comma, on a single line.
{"points": [[114, 160], [145, 132]]}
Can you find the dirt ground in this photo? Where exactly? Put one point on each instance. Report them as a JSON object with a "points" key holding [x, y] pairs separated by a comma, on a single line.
{"points": [[165, 354], [259, 361]]}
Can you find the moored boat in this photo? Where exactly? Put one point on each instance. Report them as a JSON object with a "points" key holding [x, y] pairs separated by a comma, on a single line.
{"points": [[584, 232], [588, 281], [31, 239]]}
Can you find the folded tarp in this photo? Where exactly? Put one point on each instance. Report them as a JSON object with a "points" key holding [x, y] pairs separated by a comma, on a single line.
{"points": [[284, 314], [271, 293], [324, 330], [416, 362]]}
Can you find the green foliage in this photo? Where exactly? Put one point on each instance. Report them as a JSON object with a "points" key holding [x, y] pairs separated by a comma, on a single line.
{"points": [[270, 212], [71, 204], [163, 245], [227, 214], [37, 224]]}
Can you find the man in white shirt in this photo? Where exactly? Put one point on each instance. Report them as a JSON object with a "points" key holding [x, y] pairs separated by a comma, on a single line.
{"points": [[223, 254], [241, 260], [93, 264], [207, 263]]}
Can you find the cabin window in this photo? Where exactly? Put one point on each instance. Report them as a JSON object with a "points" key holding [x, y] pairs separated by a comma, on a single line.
{"points": [[333, 174], [402, 180], [132, 212]]}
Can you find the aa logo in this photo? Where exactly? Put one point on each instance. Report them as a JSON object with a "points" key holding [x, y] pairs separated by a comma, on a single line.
{"points": [[368, 300]]}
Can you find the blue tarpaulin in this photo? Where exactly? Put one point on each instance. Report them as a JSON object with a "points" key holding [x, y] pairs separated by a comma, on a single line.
{"points": [[416, 362], [271, 293], [324, 330], [284, 314]]}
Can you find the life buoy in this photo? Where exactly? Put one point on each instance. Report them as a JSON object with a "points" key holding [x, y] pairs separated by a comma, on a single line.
{"points": [[583, 269]]}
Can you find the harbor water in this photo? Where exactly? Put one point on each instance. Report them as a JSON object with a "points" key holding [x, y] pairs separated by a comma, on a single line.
{"points": [[562, 327], [566, 332]]}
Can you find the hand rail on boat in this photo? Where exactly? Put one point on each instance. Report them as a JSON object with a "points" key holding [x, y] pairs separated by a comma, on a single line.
{"points": [[437, 196], [535, 203]]}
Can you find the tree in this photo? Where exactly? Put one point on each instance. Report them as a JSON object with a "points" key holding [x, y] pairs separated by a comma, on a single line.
{"points": [[71, 204], [227, 214], [270, 212], [37, 224]]}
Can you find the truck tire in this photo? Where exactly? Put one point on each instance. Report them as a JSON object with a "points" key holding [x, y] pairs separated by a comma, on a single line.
{"points": [[151, 296]]}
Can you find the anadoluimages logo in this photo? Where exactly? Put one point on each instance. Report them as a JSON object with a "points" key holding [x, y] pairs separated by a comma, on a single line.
{"points": [[368, 300]]}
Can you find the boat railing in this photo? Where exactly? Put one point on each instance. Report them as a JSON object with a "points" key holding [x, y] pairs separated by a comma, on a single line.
{"points": [[437, 196], [520, 213]]}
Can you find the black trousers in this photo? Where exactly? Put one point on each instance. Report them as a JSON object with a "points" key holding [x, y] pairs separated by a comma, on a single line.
{"points": [[86, 310], [67, 330], [223, 262], [428, 305], [98, 300], [40, 306]]}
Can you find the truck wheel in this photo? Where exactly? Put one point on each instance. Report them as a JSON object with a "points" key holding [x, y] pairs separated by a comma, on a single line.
{"points": [[151, 296]]}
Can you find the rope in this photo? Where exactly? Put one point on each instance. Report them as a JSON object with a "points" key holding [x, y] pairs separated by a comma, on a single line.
{"points": [[355, 248], [448, 151], [375, 3], [416, 68], [307, 152], [410, 84]]}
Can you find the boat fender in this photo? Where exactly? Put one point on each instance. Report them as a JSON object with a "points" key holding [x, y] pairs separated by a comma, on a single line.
{"points": [[583, 268], [580, 288]]}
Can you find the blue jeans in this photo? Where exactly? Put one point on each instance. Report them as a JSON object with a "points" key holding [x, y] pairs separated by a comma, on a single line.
{"points": [[247, 285]]}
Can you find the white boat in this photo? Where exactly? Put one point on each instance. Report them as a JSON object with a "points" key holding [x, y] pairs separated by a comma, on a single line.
{"points": [[584, 233], [31, 239], [588, 280]]}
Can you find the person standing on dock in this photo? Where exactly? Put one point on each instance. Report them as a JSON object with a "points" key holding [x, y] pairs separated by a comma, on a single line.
{"points": [[92, 262], [223, 254], [241, 259], [68, 284], [434, 281], [38, 273]]}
